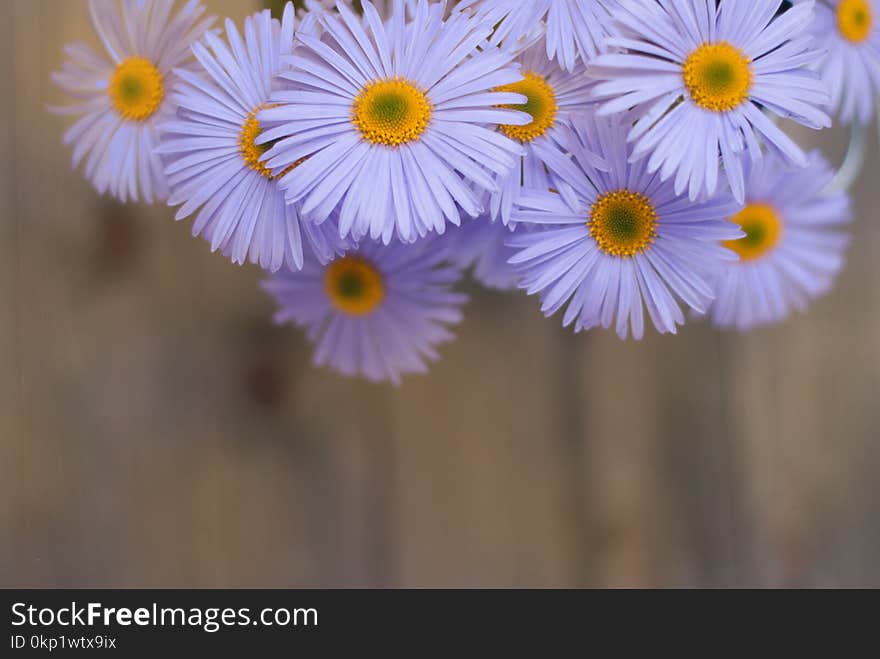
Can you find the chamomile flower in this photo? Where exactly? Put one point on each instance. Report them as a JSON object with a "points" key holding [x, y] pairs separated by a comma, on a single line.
{"points": [[379, 311], [849, 32], [792, 250], [610, 242], [214, 163], [123, 93], [396, 121], [553, 96], [575, 29], [699, 75], [481, 246]]}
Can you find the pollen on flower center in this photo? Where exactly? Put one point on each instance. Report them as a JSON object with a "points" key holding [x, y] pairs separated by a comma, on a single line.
{"points": [[541, 105], [136, 89], [763, 228], [354, 285], [391, 112], [718, 76], [251, 152], [855, 20], [623, 223]]}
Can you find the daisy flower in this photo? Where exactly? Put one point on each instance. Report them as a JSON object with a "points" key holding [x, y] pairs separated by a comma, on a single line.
{"points": [[792, 249], [575, 29], [379, 311], [123, 93], [213, 159], [848, 30], [699, 77], [396, 121], [480, 246], [553, 96], [609, 242]]}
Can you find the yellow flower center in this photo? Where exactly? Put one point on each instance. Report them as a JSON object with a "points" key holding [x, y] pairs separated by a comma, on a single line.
{"points": [[541, 105], [623, 223], [762, 227], [718, 76], [391, 112], [136, 89], [855, 20], [354, 285], [251, 152]]}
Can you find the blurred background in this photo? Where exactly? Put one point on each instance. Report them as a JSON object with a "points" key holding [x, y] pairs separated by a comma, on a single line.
{"points": [[156, 430]]}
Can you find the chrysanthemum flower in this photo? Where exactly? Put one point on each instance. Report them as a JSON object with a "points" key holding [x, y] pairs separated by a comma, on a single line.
{"points": [[553, 96], [379, 311], [481, 246], [849, 32], [213, 159], [396, 121], [699, 78], [609, 242], [576, 29], [123, 94], [793, 247]]}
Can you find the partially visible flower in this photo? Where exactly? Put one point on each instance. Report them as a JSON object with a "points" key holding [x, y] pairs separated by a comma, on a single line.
{"points": [[792, 250], [700, 76], [384, 7], [395, 122], [314, 7], [125, 92], [849, 32], [610, 242], [576, 29], [213, 163], [554, 95], [379, 311], [480, 245]]}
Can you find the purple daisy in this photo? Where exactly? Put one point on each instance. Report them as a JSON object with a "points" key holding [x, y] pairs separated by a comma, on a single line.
{"points": [[792, 250], [699, 76], [396, 121], [553, 96], [575, 29], [213, 159], [125, 92], [608, 243], [379, 311], [849, 32], [481, 246]]}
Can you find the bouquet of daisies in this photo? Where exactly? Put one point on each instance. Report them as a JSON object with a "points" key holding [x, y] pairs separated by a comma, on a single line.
{"points": [[626, 161]]}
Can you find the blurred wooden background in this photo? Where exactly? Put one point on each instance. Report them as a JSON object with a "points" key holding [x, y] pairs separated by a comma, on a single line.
{"points": [[157, 430]]}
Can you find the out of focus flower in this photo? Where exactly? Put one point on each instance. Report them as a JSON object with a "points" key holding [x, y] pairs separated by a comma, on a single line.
{"points": [[379, 312], [480, 246], [610, 242], [850, 33], [123, 93], [213, 163], [792, 249], [575, 29], [701, 75], [396, 122]]}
